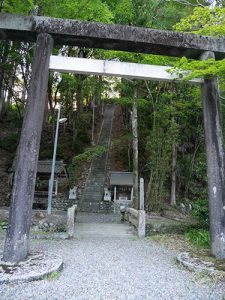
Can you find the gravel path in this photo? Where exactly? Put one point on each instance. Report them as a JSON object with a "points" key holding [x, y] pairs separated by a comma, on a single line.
{"points": [[116, 267]]}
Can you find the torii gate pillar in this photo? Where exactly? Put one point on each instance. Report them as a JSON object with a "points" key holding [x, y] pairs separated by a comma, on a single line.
{"points": [[17, 237], [215, 162]]}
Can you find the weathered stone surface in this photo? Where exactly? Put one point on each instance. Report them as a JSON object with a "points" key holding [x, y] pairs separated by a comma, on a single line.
{"points": [[94, 186], [17, 237], [141, 223], [215, 162], [62, 202], [137, 219], [107, 36], [35, 267], [196, 264], [71, 220], [160, 225]]}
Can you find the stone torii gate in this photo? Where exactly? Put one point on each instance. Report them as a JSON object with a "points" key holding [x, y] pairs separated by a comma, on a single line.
{"points": [[47, 31]]}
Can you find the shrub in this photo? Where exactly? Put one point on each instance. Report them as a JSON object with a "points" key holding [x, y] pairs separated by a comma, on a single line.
{"points": [[198, 237], [201, 211], [87, 156]]}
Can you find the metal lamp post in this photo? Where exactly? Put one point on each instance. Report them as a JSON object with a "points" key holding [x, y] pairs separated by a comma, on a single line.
{"points": [[53, 161]]}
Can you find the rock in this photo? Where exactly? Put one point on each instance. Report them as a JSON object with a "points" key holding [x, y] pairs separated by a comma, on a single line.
{"points": [[39, 215], [183, 208], [36, 266], [197, 264], [35, 228]]}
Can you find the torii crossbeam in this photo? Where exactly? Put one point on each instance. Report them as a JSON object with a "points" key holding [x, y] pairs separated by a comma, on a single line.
{"points": [[115, 68]]}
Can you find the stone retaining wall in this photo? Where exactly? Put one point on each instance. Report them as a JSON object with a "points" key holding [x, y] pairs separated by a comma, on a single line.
{"points": [[161, 225], [62, 202]]}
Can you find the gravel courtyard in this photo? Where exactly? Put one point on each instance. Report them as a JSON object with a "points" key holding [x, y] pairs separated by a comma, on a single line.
{"points": [[113, 265]]}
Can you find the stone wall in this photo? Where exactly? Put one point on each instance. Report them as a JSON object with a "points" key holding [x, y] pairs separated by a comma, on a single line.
{"points": [[160, 225], [119, 203], [62, 202]]}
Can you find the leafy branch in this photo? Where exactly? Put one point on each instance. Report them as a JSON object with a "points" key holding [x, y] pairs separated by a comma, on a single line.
{"points": [[86, 156]]}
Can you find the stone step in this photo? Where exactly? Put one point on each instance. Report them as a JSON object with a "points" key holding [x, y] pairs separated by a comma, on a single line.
{"points": [[94, 186], [91, 197], [95, 180], [90, 207], [93, 191]]}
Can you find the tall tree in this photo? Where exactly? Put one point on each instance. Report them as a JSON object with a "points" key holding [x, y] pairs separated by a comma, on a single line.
{"points": [[134, 121]]}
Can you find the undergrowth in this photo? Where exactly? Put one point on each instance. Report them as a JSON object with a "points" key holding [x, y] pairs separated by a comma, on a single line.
{"points": [[198, 237], [53, 276]]}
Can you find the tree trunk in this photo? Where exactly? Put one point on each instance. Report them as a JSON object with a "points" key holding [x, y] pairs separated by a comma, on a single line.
{"points": [[148, 192], [93, 123], [3, 57], [135, 148], [2, 100], [24, 90], [173, 177], [17, 237], [215, 162], [10, 92]]}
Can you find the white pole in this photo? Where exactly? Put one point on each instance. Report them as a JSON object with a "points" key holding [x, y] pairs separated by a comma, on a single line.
{"points": [[53, 165]]}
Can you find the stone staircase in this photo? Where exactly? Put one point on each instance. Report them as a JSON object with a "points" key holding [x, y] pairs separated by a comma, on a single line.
{"points": [[94, 188]]}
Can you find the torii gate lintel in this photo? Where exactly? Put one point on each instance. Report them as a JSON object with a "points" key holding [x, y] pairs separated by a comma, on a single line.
{"points": [[109, 36]]}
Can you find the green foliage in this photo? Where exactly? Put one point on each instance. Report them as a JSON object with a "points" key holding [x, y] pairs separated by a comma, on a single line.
{"points": [[127, 101], [120, 147], [160, 143], [87, 156], [205, 69], [198, 237], [60, 228], [122, 10], [193, 175], [3, 224], [144, 13], [53, 276], [18, 7], [205, 21], [94, 10], [201, 211], [193, 181], [158, 14], [176, 111], [157, 59]]}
